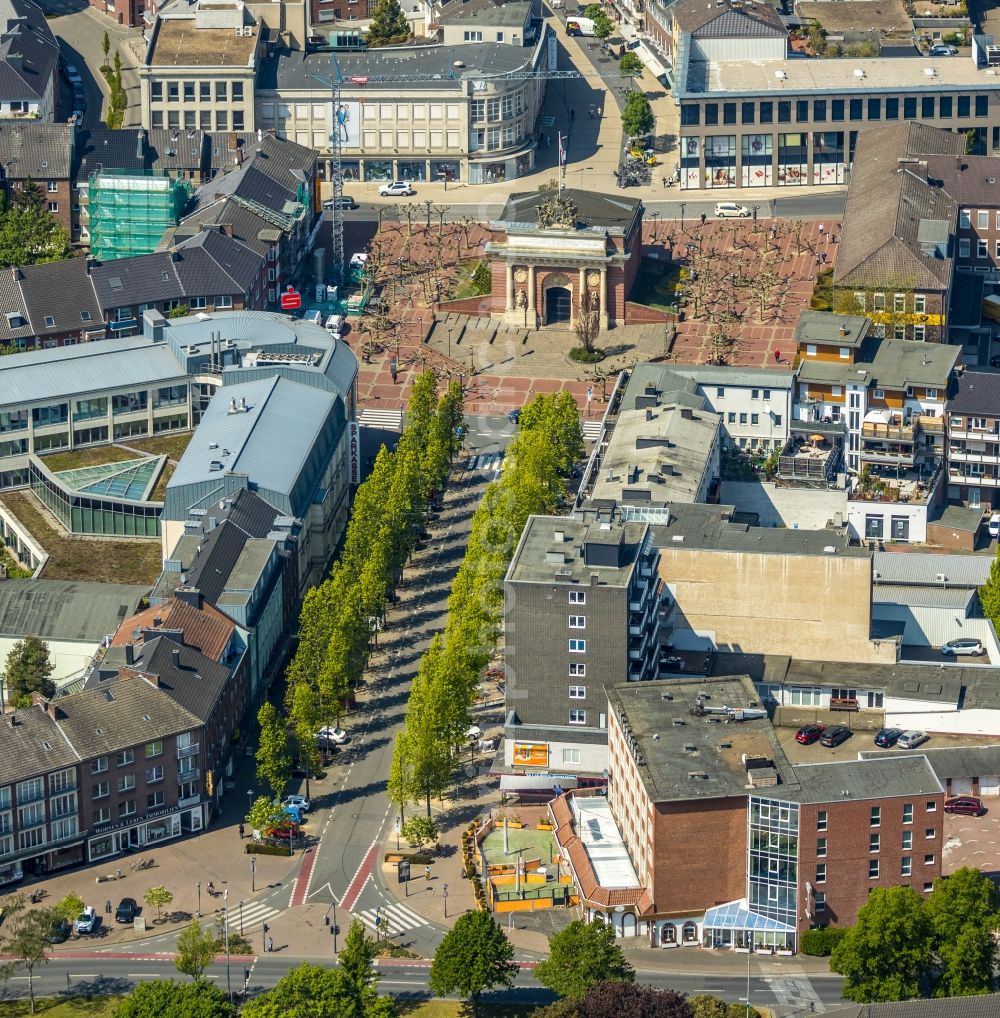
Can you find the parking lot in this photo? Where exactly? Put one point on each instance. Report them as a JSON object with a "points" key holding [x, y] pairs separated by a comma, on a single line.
{"points": [[973, 841]]}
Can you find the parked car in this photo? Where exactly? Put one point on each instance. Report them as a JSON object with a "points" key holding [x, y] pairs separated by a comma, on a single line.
{"points": [[337, 736], [345, 201], [397, 189], [474, 733], [888, 737], [299, 801], [86, 921], [967, 805], [284, 830], [59, 932], [808, 734], [941, 50], [995, 361], [126, 911], [967, 646], [72, 75], [514, 416], [912, 739], [292, 813], [994, 525], [835, 735], [726, 209]]}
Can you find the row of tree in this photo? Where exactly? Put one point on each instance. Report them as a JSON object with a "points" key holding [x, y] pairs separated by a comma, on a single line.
{"points": [[905, 944], [444, 690], [341, 616]]}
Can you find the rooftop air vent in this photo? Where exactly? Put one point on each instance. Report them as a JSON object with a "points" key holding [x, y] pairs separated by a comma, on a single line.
{"points": [[930, 72], [781, 75]]}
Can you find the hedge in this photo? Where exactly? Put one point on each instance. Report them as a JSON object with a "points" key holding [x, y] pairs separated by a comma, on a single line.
{"points": [[821, 942], [257, 848]]}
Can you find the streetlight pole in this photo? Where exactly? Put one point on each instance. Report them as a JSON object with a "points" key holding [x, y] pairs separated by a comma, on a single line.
{"points": [[754, 209], [682, 204], [241, 918], [198, 885], [444, 892], [253, 874], [225, 905], [656, 216]]}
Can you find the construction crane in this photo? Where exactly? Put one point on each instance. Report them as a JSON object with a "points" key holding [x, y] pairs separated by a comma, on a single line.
{"points": [[335, 83]]}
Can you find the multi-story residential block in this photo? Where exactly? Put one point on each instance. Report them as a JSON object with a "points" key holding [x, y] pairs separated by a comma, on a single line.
{"points": [[795, 847], [42, 153], [877, 403], [200, 67], [754, 115], [441, 126], [582, 606], [29, 56], [973, 415], [479, 21]]}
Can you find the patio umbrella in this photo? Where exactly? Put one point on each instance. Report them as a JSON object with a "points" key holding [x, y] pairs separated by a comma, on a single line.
{"points": [[817, 438]]}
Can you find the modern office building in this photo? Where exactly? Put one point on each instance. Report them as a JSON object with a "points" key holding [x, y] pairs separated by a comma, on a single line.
{"points": [[753, 114], [468, 114]]}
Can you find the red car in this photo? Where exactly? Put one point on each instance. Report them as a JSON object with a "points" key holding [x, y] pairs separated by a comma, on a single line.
{"points": [[285, 830], [808, 734], [968, 805]]}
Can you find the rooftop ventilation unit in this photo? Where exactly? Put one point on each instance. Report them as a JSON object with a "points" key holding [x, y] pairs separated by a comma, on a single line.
{"points": [[859, 72], [930, 72]]}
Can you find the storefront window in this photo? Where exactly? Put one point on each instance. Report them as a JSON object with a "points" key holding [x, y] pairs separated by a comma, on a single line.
{"points": [[793, 159], [756, 160], [352, 170], [690, 163], [100, 847], [720, 160], [493, 172], [378, 170], [525, 164], [446, 170], [412, 170], [828, 157]]}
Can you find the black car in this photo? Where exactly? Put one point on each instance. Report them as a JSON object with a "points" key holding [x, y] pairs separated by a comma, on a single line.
{"points": [[345, 201], [835, 735], [888, 737], [127, 909]]}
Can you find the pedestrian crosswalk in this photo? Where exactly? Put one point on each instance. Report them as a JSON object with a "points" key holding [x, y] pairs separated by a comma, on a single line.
{"points": [[374, 417], [250, 916], [547, 120], [398, 917], [488, 463], [591, 431]]}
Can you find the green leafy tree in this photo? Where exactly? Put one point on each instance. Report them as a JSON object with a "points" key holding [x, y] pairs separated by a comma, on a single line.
{"points": [[474, 956], [420, 830], [26, 934], [28, 233], [637, 117], [887, 951], [603, 27], [304, 714], [160, 998], [989, 593], [118, 68], [106, 47], [69, 907], [180, 311], [313, 991], [482, 279], [964, 911], [195, 951], [29, 669], [629, 66], [274, 760], [357, 960], [634, 999], [157, 897], [704, 1005], [388, 25], [594, 11], [582, 955], [264, 813]]}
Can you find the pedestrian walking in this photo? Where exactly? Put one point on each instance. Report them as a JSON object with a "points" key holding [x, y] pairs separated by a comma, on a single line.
{"points": [[270, 945], [598, 112], [242, 831], [823, 257], [703, 218], [777, 356], [821, 228], [427, 873], [572, 116]]}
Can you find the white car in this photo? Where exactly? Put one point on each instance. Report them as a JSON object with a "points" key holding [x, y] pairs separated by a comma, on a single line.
{"points": [[994, 525], [398, 188], [474, 733], [727, 209], [86, 921], [335, 735], [299, 802], [966, 647]]}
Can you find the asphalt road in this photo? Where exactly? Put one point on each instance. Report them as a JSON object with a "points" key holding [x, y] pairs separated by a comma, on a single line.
{"points": [[807, 206], [117, 975]]}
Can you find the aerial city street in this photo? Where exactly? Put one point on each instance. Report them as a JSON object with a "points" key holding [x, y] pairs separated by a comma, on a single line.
{"points": [[499, 509]]}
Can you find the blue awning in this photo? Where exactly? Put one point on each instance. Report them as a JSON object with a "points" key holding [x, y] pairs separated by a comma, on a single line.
{"points": [[735, 915]]}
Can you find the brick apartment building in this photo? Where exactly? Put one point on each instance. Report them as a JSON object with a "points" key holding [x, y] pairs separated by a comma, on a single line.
{"points": [[695, 765], [974, 440], [32, 150]]}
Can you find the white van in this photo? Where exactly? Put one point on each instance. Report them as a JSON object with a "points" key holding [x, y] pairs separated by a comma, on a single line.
{"points": [[994, 525], [579, 26], [313, 317], [335, 325]]}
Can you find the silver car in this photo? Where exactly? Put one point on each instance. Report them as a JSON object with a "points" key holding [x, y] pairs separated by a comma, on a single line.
{"points": [[912, 739], [966, 647]]}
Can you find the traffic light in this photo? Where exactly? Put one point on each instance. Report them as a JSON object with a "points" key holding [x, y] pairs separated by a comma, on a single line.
{"points": [[265, 927], [246, 975], [326, 920]]}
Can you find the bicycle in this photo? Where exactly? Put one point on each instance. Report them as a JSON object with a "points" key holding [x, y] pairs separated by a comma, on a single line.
{"points": [[141, 864]]}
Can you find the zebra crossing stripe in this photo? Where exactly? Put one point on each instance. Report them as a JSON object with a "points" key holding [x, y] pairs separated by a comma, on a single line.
{"points": [[398, 917], [253, 914]]}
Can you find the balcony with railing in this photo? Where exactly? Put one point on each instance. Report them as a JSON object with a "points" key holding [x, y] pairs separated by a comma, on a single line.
{"points": [[185, 752], [874, 430], [960, 454], [189, 775]]}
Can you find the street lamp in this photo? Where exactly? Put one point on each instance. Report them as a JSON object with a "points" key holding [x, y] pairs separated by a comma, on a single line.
{"points": [[444, 891], [449, 341], [225, 905], [682, 204], [198, 885], [754, 209], [428, 203], [656, 215], [253, 873]]}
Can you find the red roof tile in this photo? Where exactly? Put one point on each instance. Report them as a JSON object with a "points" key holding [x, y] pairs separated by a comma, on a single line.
{"points": [[207, 629]]}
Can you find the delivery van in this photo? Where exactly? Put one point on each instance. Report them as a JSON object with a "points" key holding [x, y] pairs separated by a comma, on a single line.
{"points": [[579, 26]]}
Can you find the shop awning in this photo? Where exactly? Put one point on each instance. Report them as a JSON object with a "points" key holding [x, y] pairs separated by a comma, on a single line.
{"points": [[653, 65]]}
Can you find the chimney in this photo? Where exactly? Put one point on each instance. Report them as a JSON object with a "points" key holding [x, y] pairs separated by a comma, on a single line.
{"points": [[175, 658], [227, 229], [129, 653], [687, 413], [189, 595]]}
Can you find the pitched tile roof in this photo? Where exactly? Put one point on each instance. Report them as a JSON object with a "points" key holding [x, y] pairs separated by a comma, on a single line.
{"points": [[725, 20], [35, 149], [120, 713], [31, 742], [247, 227], [12, 308], [28, 50], [978, 394], [59, 296], [213, 263], [890, 204], [141, 279], [985, 1006], [137, 149], [206, 628], [252, 514]]}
